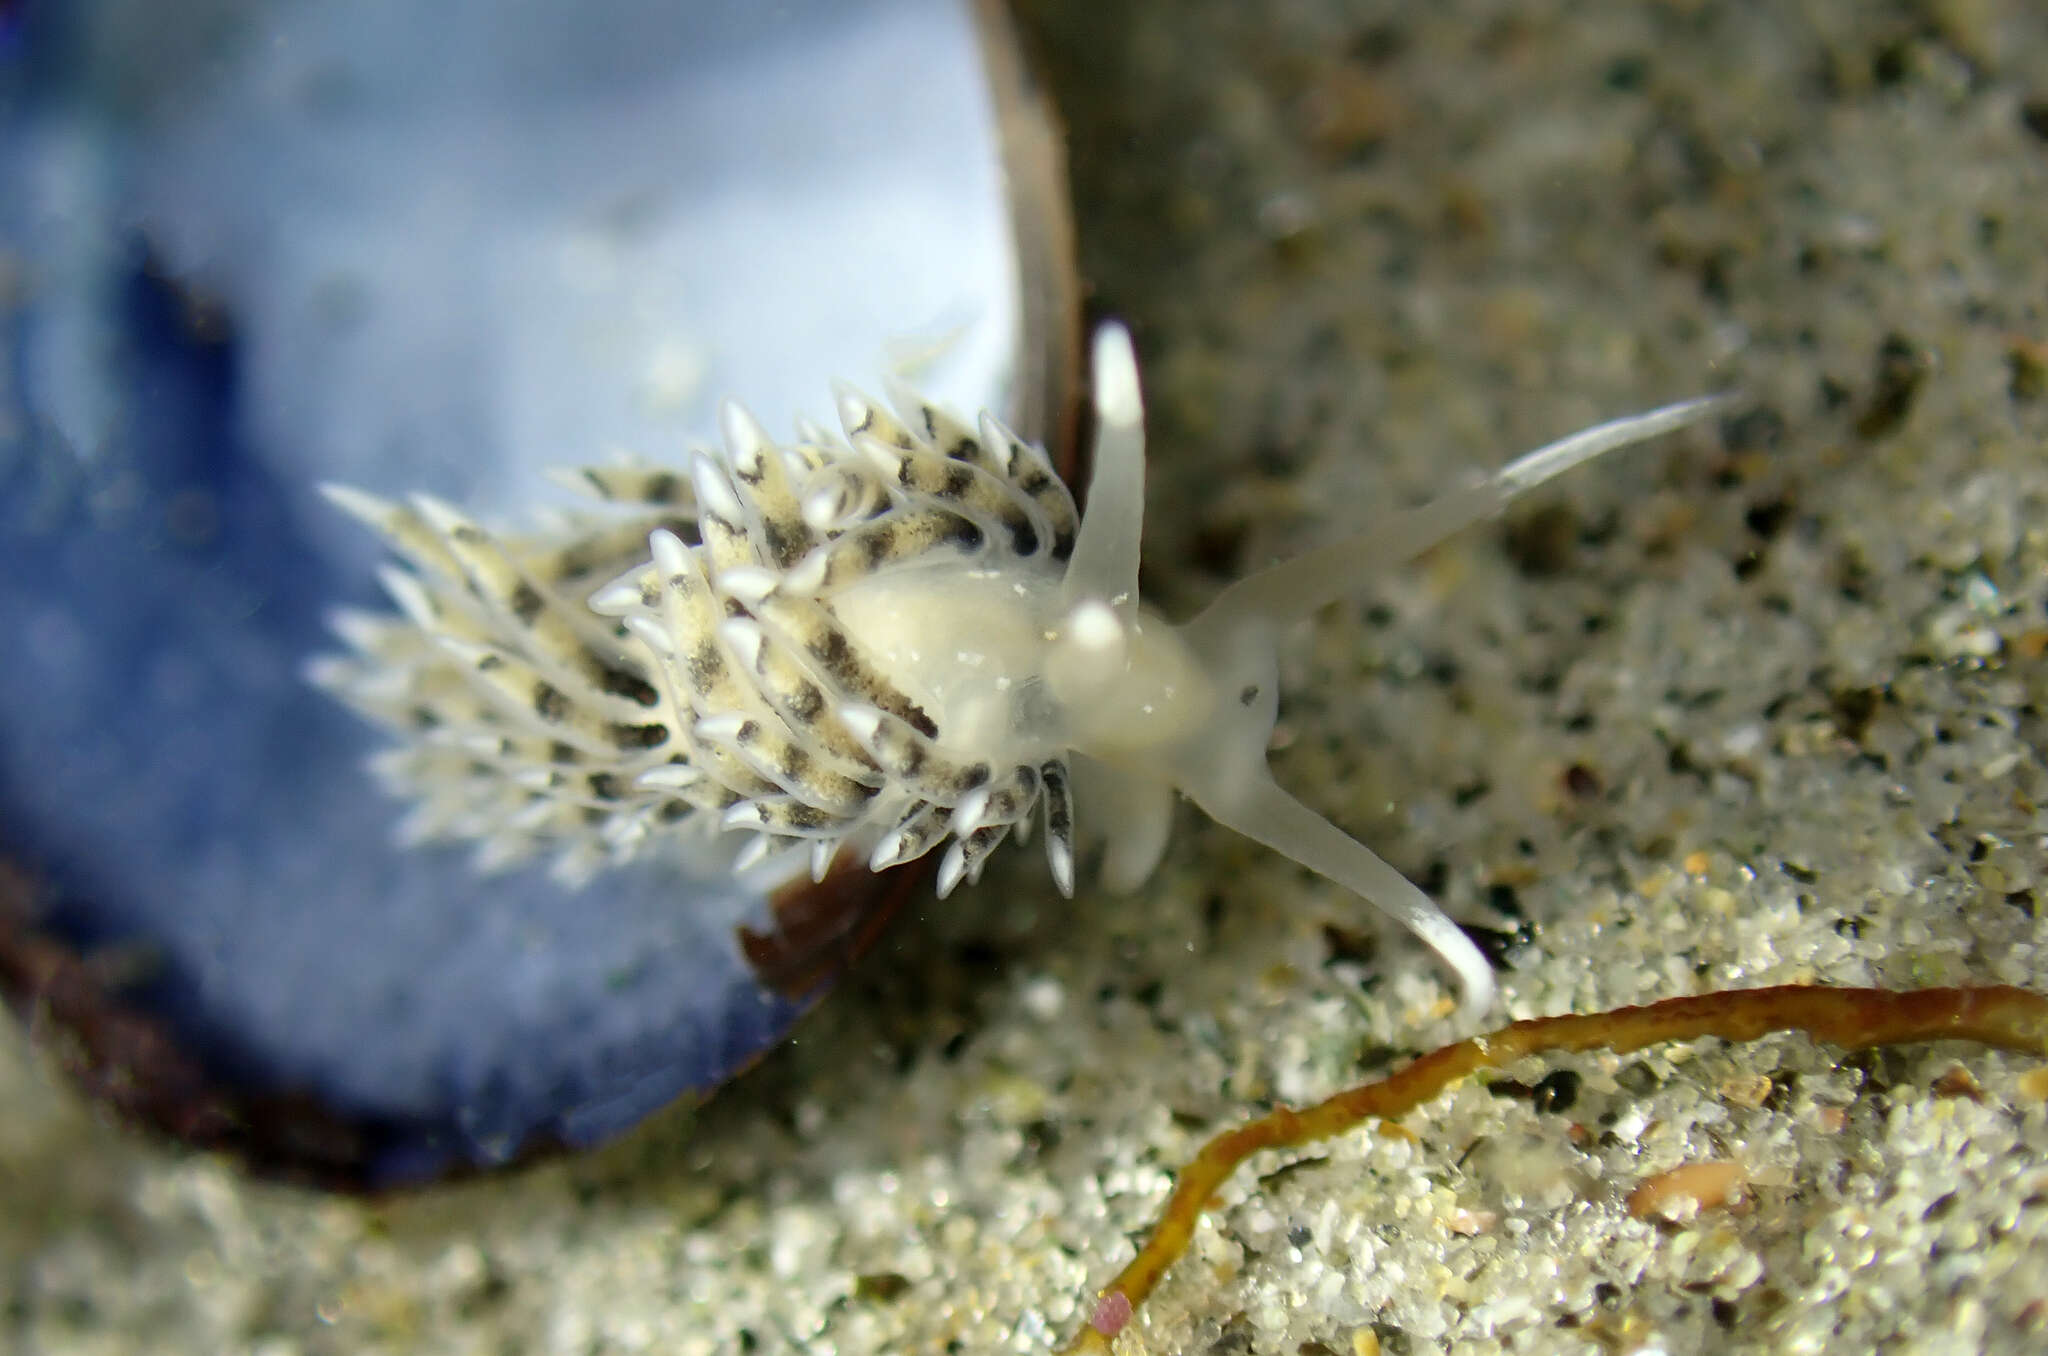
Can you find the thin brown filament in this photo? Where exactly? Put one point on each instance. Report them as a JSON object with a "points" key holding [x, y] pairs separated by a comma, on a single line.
{"points": [[2001, 1016]]}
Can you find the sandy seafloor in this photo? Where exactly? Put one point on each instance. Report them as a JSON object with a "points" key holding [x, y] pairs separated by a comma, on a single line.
{"points": [[1761, 704]]}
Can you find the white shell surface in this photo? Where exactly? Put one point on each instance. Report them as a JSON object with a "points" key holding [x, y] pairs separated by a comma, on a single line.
{"points": [[249, 247], [460, 251]]}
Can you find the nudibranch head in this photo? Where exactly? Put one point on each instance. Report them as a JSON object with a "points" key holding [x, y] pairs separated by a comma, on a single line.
{"points": [[884, 642]]}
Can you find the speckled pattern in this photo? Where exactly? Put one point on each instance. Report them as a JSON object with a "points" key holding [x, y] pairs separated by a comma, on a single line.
{"points": [[1754, 706]]}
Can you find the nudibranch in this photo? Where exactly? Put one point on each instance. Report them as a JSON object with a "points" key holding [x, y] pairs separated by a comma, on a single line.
{"points": [[887, 642]]}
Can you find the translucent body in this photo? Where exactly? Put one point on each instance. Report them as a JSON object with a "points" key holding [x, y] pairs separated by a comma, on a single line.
{"points": [[1193, 708], [899, 641]]}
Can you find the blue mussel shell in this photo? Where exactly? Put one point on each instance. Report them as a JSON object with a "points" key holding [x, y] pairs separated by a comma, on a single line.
{"points": [[201, 902]]}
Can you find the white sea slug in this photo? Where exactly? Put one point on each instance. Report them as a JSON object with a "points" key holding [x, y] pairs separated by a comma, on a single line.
{"points": [[884, 643]]}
